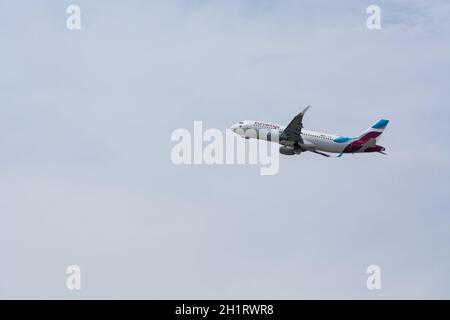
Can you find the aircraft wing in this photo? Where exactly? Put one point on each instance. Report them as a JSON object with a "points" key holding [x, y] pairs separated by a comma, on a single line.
{"points": [[296, 125]]}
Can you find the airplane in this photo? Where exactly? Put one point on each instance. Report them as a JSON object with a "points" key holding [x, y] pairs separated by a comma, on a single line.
{"points": [[295, 140]]}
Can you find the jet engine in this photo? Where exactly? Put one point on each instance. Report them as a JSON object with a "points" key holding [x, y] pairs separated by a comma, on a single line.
{"points": [[290, 150]]}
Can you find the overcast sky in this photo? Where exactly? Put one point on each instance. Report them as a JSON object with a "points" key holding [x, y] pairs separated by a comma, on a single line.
{"points": [[86, 176]]}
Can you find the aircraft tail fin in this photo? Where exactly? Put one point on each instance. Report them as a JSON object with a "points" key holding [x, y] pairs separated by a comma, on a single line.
{"points": [[375, 131]]}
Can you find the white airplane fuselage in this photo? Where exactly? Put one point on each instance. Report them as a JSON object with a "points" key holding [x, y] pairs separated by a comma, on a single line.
{"points": [[272, 132]]}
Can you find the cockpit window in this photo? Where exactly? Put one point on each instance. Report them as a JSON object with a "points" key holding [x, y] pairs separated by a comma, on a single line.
{"points": [[241, 122]]}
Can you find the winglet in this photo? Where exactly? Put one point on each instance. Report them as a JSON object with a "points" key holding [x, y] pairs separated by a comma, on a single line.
{"points": [[306, 109]]}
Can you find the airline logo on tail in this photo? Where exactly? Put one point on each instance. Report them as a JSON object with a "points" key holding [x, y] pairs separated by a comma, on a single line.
{"points": [[375, 131], [367, 141]]}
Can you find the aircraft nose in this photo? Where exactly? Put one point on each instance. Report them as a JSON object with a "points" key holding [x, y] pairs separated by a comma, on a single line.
{"points": [[234, 127]]}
